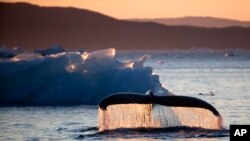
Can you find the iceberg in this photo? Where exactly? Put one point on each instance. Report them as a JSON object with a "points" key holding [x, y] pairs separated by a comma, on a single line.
{"points": [[9, 53], [49, 51], [72, 78]]}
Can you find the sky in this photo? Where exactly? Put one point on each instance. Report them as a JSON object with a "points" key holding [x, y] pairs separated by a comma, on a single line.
{"points": [[124, 9]]}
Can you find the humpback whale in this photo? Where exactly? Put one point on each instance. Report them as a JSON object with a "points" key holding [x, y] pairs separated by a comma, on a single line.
{"points": [[149, 98]]}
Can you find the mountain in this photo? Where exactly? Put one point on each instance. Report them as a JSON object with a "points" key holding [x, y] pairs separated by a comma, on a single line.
{"points": [[32, 27], [209, 22]]}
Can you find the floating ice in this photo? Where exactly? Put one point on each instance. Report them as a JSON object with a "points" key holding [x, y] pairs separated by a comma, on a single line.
{"points": [[27, 57], [9, 53], [49, 51], [69, 78]]}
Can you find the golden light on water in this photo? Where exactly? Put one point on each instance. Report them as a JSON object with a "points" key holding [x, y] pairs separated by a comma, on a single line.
{"points": [[126, 116], [156, 116]]}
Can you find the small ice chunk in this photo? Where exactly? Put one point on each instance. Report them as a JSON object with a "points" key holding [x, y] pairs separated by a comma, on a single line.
{"points": [[51, 50], [140, 62], [27, 57], [100, 54]]}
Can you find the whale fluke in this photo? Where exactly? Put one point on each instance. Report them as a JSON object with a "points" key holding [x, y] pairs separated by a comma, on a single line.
{"points": [[172, 101]]}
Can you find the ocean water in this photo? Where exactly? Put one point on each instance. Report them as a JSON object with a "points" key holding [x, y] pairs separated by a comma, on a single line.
{"points": [[196, 74]]}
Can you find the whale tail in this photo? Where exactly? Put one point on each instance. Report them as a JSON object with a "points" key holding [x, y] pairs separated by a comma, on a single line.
{"points": [[150, 98], [179, 105]]}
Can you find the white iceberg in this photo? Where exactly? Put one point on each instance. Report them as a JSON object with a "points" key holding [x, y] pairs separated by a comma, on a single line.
{"points": [[70, 78]]}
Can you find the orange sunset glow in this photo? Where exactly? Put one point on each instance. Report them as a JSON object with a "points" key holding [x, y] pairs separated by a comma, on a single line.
{"points": [[122, 9]]}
